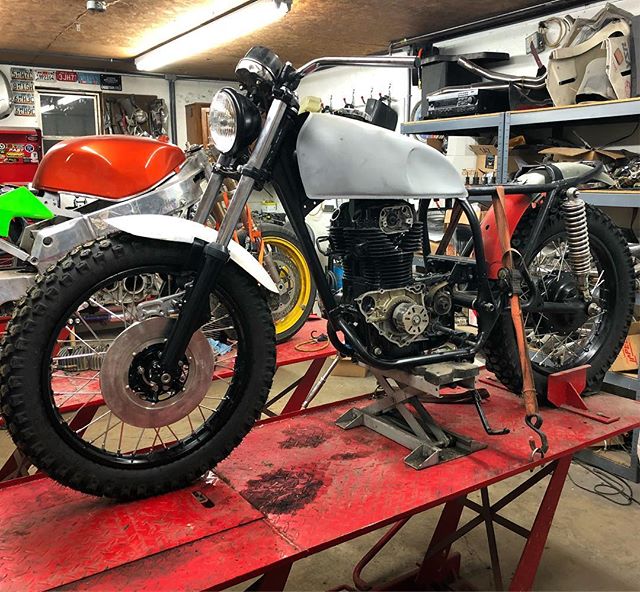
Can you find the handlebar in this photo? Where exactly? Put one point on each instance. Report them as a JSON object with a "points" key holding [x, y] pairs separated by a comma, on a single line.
{"points": [[374, 61], [513, 188]]}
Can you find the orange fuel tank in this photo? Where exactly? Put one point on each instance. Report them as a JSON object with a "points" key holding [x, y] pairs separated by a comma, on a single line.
{"points": [[110, 167]]}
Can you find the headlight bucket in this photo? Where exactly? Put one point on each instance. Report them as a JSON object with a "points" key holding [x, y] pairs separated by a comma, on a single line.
{"points": [[234, 121]]}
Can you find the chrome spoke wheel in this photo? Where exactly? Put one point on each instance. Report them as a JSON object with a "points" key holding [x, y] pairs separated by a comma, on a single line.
{"points": [[561, 340], [105, 384]]}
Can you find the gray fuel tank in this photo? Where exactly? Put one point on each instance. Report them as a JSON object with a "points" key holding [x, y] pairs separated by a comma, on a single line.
{"points": [[345, 158]]}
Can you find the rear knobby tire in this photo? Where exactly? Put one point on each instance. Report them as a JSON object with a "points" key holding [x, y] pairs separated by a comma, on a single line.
{"points": [[501, 350], [24, 372]]}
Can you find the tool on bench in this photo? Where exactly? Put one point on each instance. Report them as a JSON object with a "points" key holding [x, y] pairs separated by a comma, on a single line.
{"points": [[321, 381], [318, 341], [509, 273]]}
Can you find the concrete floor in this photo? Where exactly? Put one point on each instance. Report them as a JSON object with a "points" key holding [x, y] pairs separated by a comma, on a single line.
{"points": [[592, 544]]}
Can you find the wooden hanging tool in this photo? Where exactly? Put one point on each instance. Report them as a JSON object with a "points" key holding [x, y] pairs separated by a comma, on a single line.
{"points": [[529, 395]]}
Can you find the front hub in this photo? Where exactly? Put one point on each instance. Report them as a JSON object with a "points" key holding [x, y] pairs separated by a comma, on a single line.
{"points": [[136, 388]]}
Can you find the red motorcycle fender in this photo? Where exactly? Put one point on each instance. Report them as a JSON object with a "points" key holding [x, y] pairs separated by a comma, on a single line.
{"points": [[515, 205]]}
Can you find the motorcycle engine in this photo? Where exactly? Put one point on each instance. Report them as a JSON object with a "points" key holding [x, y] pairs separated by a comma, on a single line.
{"points": [[393, 310]]}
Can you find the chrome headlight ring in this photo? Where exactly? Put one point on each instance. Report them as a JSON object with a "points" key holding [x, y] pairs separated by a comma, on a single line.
{"points": [[234, 121]]}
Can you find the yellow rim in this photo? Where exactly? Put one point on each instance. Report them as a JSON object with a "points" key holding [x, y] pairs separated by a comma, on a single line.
{"points": [[293, 253]]}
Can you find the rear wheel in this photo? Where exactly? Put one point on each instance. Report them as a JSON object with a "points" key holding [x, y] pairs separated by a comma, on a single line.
{"points": [[293, 304], [561, 341], [93, 327]]}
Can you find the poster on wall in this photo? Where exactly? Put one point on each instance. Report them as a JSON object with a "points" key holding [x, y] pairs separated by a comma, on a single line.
{"points": [[22, 86], [21, 74], [24, 110], [45, 75], [110, 82], [88, 78], [66, 76]]}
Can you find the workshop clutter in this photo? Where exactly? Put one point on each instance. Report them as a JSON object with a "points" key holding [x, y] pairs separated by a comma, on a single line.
{"points": [[592, 59], [487, 160]]}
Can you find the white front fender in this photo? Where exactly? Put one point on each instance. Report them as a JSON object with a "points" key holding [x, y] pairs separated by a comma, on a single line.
{"points": [[179, 230]]}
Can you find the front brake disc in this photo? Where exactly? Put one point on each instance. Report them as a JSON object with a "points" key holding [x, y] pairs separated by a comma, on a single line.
{"points": [[130, 405]]}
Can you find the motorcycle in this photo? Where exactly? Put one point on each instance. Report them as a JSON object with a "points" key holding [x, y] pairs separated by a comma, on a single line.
{"points": [[549, 278], [76, 194]]}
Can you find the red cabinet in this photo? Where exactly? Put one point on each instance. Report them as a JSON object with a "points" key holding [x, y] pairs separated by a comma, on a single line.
{"points": [[20, 154]]}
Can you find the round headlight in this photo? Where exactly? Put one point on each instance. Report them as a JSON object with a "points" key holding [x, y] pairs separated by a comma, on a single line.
{"points": [[234, 121], [223, 121]]}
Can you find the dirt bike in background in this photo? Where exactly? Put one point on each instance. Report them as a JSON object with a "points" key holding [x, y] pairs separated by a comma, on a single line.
{"points": [[83, 183], [549, 278]]}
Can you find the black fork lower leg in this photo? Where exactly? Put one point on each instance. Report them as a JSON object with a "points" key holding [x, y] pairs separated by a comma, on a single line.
{"points": [[195, 306]]}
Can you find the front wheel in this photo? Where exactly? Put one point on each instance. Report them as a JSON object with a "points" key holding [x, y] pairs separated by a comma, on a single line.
{"points": [[559, 341], [89, 334]]}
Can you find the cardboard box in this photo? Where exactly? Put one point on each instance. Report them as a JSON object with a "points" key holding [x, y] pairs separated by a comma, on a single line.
{"points": [[346, 367], [437, 143], [487, 156], [630, 353], [568, 154]]}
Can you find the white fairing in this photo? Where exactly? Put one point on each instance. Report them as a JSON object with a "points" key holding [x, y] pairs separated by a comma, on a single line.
{"points": [[179, 230], [344, 158]]}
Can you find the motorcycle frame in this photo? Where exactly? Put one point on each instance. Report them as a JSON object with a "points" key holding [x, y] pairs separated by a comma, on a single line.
{"points": [[274, 158], [296, 204]]}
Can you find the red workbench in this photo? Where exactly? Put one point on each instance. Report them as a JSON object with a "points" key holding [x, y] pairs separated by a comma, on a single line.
{"points": [[86, 398], [295, 486]]}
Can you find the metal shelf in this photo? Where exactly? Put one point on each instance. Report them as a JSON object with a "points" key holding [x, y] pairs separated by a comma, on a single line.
{"points": [[611, 198], [453, 124], [584, 113], [600, 113]]}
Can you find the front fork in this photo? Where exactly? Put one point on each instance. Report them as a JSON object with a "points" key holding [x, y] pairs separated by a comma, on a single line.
{"points": [[216, 254]]}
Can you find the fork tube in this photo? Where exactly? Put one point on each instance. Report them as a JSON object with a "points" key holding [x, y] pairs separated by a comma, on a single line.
{"points": [[216, 253], [211, 193], [246, 183]]}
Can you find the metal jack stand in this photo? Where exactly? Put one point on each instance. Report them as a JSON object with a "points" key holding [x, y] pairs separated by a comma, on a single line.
{"points": [[390, 416]]}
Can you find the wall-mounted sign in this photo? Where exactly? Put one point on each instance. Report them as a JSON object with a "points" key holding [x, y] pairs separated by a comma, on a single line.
{"points": [[24, 110], [88, 78], [45, 75], [21, 74], [110, 82], [22, 85], [23, 98], [66, 76]]}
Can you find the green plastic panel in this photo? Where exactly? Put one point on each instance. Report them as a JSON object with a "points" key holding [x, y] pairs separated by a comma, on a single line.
{"points": [[20, 203]]}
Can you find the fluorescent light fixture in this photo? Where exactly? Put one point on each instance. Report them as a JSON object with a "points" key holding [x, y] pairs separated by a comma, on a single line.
{"points": [[231, 26]]}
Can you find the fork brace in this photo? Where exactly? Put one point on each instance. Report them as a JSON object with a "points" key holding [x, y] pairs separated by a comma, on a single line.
{"points": [[391, 417]]}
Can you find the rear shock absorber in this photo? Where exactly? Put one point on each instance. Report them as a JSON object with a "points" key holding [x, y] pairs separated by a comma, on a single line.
{"points": [[578, 250]]}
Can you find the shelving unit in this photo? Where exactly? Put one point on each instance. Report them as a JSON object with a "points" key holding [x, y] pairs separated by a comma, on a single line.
{"points": [[502, 125]]}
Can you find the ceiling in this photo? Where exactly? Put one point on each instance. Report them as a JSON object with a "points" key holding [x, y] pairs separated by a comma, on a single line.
{"points": [[66, 35]]}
